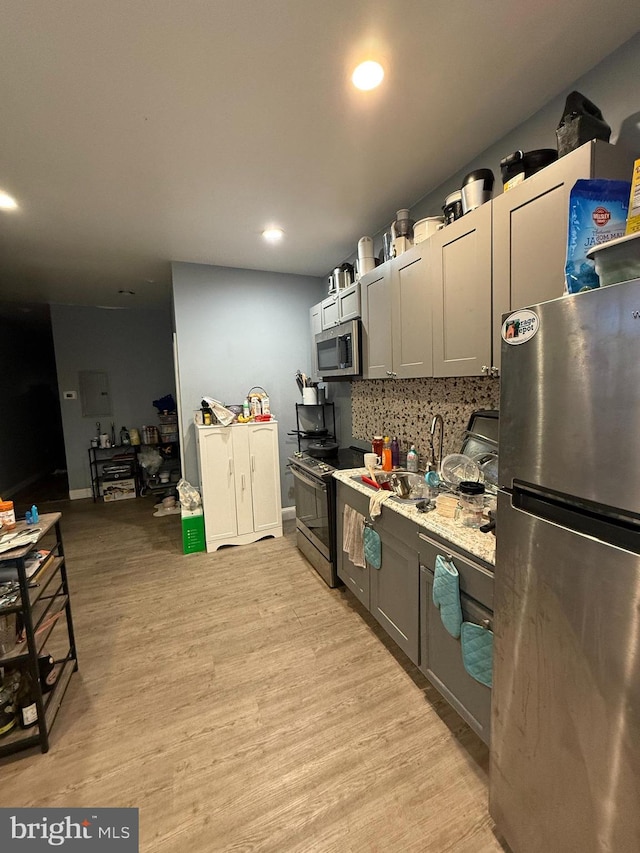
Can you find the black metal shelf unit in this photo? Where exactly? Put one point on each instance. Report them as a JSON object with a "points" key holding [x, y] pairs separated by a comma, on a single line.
{"points": [[314, 422], [103, 465], [44, 605]]}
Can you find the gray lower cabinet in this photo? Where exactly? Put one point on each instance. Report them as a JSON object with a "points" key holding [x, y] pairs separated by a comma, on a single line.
{"points": [[355, 578], [440, 653], [390, 593], [394, 593], [400, 597]]}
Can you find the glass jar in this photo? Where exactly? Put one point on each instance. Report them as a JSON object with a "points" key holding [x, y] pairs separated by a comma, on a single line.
{"points": [[470, 504]]}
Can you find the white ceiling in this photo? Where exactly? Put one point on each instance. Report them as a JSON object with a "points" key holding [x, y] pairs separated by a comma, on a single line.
{"points": [[136, 133]]}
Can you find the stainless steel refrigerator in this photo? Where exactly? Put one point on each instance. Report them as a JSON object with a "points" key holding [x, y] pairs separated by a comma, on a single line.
{"points": [[565, 736]]}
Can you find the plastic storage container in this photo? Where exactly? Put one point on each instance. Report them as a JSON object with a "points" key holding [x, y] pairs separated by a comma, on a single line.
{"points": [[470, 504], [7, 514]]}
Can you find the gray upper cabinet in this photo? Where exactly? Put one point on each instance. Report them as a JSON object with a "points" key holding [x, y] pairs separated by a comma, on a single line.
{"points": [[396, 318], [315, 322], [376, 322], [329, 312], [340, 307], [411, 316], [459, 260], [530, 229], [349, 303]]}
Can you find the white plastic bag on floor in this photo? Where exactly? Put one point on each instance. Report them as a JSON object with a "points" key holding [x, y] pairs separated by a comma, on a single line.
{"points": [[189, 496]]}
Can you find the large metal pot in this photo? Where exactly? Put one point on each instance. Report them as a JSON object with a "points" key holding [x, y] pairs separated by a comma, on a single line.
{"points": [[323, 449]]}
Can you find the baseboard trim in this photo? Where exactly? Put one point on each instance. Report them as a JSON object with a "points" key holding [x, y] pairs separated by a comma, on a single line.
{"points": [[79, 494], [288, 512]]}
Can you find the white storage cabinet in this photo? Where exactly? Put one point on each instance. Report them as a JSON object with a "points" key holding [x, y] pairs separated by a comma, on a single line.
{"points": [[240, 483]]}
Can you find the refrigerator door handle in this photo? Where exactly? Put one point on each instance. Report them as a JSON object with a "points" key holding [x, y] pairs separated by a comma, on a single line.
{"points": [[611, 526]]}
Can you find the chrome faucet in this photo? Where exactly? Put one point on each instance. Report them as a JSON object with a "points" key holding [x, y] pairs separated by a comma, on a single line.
{"points": [[434, 465]]}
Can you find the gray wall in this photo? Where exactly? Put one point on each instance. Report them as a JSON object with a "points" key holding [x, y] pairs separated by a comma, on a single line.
{"points": [[613, 85], [235, 329], [134, 347]]}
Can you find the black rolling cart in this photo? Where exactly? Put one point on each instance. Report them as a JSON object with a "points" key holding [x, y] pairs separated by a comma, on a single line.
{"points": [[315, 422], [115, 473]]}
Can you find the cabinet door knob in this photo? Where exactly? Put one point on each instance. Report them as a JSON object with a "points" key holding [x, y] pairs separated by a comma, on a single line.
{"points": [[485, 368], [495, 371], [389, 373]]}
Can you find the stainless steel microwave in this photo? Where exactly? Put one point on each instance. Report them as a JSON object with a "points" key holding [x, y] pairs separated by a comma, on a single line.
{"points": [[338, 350]]}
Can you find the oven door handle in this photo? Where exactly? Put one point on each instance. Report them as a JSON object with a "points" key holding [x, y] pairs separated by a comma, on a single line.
{"points": [[316, 484]]}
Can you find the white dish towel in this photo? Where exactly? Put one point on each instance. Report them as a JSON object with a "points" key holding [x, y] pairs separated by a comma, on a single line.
{"points": [[352, 541], [376, 501]]}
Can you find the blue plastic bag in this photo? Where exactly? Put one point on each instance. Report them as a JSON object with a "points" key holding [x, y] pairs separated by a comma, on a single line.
{"points": [[597, 214]]}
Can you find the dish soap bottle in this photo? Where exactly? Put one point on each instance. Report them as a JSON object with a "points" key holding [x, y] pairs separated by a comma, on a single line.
{"points": [[387, 462], [412, 460], [395, 453]]}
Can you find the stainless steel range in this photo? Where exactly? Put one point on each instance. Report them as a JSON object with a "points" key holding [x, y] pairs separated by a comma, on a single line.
{"points": [[315, 496]]}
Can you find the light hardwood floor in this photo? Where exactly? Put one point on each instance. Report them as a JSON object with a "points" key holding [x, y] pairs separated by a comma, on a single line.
{"points": [[241, 705]]}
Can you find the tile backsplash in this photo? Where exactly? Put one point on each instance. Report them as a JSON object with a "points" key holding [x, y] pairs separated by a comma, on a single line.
{"points": [[405, 407]]}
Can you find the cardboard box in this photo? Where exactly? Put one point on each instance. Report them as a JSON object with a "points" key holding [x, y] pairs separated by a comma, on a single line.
{"points": [[118, 490], [633, 216]]}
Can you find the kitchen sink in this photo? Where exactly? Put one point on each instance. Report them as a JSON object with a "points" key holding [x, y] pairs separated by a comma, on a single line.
{"points": [[387, 475]]}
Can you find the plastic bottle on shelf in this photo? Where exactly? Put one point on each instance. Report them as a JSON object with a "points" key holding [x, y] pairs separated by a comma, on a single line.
{"points": [[395, 452], [387, 461], [412, 460], [124, 436], [246, 411]]}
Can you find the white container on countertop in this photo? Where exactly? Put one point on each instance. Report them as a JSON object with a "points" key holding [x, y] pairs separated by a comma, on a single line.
{"points": [[309, 396]]}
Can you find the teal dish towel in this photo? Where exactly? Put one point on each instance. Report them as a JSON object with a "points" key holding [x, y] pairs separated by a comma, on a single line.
{"points": [[446, 595], [372, 547], [477, 652]]}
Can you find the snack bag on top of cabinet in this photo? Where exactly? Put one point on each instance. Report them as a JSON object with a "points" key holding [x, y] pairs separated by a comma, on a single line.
{"points": [[597, 214]]}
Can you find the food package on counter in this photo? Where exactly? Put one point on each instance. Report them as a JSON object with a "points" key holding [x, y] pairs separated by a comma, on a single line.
{"points": [[597, 214], [633, 216], [189, 496], [224, 415]]}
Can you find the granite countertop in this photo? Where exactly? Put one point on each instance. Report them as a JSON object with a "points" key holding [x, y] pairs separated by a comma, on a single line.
{"points": [[481, 545]]}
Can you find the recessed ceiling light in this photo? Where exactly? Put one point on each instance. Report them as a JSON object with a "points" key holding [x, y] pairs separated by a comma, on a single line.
{"points": [[273, 235], [127, 292], [7, 202], [367, 75]]}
